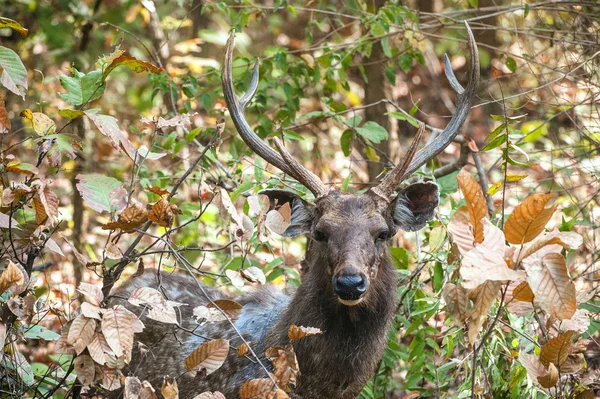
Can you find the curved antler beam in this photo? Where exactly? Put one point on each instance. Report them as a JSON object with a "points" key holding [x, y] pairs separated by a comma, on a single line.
{"points": [[282, 160], [465, 98]]}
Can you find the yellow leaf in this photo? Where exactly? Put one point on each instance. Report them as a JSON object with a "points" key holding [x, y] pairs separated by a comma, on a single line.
{"points": [[41, 123], [557, 349], [475, 200], [310, 61], [209, 356], [529, 219], [14, 25]]}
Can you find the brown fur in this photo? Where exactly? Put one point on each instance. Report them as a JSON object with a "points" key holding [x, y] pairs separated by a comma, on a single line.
{"points": [[333, 365]]}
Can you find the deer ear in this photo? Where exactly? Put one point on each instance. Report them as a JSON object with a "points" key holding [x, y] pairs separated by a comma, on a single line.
{"points": [[415, 205], [302, 213]]}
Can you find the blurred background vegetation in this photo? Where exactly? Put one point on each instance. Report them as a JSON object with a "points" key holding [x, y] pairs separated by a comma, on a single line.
{"points": [[345, 83]]}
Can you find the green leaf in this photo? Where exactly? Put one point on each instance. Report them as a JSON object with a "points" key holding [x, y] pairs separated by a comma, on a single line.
{"points": [[399, 257], [404, 117], [38, 332], [82, 88], [373, 132], [415, 107], [511, 64], [14, 74], [474, 3], [354, 121], [101, 193], [132, 63], [390, 74], [405, 62], [496, 142], [346, 182], [55, 145], [346, 142], [70, 113], [385, 46]]}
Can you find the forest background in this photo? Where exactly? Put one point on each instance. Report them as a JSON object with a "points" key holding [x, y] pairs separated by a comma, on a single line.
{"points": [[117, 154]]}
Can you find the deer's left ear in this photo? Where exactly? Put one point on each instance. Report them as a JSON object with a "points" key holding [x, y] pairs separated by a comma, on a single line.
{"points": [[415, 205], [302, 212]]}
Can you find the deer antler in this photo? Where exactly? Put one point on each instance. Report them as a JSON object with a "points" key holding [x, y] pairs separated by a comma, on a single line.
{"points": [[412, 162], [282, 160]]}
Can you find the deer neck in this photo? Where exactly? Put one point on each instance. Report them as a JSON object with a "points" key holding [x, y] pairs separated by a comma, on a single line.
{"points": [[353, 338]]}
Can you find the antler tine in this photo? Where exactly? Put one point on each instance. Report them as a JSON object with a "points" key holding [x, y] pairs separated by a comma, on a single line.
{"points": [[236, 109], [305, 176], [465, 98], [386, 188]]}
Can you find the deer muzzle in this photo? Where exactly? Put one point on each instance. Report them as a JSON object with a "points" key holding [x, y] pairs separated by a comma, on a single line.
{"points": [[350, 285]]}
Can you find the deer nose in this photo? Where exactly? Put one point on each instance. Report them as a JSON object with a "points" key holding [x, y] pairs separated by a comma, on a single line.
{"points": [[350, 285]]}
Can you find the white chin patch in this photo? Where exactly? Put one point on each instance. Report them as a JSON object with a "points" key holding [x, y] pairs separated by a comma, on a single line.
{"points": [[351, 302]]}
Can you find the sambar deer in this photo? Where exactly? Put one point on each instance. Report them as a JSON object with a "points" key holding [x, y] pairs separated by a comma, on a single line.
{"points": [[348, 287]]}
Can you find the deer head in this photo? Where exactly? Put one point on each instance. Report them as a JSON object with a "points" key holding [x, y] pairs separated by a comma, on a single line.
{"points": [[348, 233]]}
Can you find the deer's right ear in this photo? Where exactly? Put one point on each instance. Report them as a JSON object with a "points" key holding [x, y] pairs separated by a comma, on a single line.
{"points": [[415, 206], [302, 212]]}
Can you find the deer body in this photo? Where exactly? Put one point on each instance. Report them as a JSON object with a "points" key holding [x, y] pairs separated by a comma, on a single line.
{"points": [[348, 287]]}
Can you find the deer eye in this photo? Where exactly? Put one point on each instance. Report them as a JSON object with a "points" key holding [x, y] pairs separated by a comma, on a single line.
{"points": [[320, 235], [382, 236]]}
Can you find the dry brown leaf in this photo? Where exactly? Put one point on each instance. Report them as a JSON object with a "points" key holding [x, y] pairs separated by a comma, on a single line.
{"points": [[486, 264], [132, 388], [231, 308], [40, 212], [131, 218], [211, 315], [210, 395], [62, 347], [50, 203], [587, 394], [92, 293], [118, 327], [81, 333], [523, 293], [533, 365], [161, 213], [157, 190], [22, 307], [226, 208], [235, 277], [552, 286], [579, 322], [483, 298], [209, 356], [285, 365], [253, 274], [99, 349], [4, 119], [3, 338], [160, 309], [91, 311], [475, 200], [261, 388], [557, 349], [110, 379], [456, 299], [564, 239], [550, 379], [257, 204], [11, 276], [296, 333], [169, 389], [147, 391], [529, 219], [85, 368], [573, 364], [276, 222], [242, 350]]}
